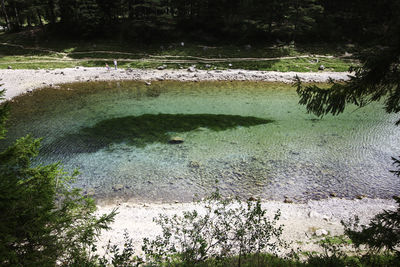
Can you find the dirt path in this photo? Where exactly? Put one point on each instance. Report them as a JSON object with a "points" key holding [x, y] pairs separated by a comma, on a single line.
{"points": [[152, 58]]}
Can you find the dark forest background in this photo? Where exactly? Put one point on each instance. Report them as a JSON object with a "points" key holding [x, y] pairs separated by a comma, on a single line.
{"points": [[205, 20]]}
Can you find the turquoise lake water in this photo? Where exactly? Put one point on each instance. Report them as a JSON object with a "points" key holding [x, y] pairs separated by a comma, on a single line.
{"points": [[267, 145]]}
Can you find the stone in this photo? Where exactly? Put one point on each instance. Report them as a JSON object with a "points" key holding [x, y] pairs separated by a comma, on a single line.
{"points": [[147, 83], [162, 67], [176, 140], [321, 67], [252, 199], [288, 201], [321, 232], [230, 65], [207, 66], [314, 214], [192, 69], [9, 67], [90, 192], [326, 218], [194, 164], [333, 194], [118, 187]]}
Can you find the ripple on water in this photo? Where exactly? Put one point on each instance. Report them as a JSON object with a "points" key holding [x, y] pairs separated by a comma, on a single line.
{"points": [[253, 138]]}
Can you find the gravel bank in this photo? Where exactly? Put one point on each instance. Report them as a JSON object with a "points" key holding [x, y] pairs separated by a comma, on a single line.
{"points": [[17, 82], [300, 220]]}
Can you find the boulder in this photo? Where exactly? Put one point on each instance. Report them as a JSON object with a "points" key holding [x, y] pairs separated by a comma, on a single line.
{"points": [[9, 67], [321, 67], [162, 67], [176, 140]]}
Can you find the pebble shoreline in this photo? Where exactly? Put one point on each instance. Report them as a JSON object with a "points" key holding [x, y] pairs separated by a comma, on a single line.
{"points": [[301, 220], [18, 82]]}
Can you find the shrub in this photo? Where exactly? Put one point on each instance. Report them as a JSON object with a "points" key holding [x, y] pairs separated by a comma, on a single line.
{"points": [[223, 228]]}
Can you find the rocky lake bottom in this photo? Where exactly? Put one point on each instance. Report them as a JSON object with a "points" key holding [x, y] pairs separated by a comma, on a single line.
{"points": [[245, 138]]}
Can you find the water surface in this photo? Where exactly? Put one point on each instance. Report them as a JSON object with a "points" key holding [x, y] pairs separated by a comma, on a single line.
{"points": [[252, 137]]}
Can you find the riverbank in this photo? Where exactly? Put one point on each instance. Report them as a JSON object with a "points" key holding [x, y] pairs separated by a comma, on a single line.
{"points": [[17, 82], [302, 222]]}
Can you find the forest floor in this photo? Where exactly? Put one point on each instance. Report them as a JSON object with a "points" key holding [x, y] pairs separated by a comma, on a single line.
{"points": [[25, 51]]}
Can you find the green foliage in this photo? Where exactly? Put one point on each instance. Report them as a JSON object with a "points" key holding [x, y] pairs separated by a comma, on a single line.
{"points": [[43, 219], [377, 78], [209, 20], [227, 227], [115, 257], [382, 232], [4, 109]]}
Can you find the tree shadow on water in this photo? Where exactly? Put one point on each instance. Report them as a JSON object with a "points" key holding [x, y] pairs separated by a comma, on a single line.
{"points": [[145, 129]]}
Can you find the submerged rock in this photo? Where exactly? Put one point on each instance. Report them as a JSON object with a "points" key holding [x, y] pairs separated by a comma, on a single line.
{"points": [[176, 140], [118, 187], [91, 192], [194, 164]]}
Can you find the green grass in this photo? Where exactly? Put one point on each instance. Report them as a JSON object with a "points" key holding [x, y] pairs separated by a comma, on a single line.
{"points": [[283, 65], [96, 53]]}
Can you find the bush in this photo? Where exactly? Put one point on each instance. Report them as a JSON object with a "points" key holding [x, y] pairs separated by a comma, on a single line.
{"points": [[228, 227], [44, 220]]}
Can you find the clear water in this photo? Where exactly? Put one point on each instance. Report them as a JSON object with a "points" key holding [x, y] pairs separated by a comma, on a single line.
{"points": [[297, 155]]}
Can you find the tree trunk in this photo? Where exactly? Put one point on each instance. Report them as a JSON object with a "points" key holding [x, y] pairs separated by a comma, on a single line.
{"points": [[3, 7], [17, 17], [39, 18], [52, 13]]}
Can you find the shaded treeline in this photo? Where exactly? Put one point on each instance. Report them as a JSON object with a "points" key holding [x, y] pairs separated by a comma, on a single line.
{"points": [[286, 20]]}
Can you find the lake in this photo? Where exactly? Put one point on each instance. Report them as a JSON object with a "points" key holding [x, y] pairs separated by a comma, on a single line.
{"points": [[246, 138]]}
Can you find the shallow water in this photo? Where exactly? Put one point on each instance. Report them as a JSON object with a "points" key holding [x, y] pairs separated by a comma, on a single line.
{"points": [[265, 144]]}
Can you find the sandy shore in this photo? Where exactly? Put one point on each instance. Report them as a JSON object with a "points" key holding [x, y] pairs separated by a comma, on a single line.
{"points": [[17, 82], [300, 220]]}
